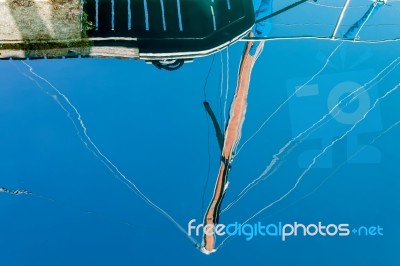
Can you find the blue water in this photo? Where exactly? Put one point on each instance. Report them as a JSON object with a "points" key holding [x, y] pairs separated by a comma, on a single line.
{"points": [[152, 125]]}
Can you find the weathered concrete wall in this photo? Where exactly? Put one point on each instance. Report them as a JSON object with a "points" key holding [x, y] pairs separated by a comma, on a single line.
{"points": [[41, 28], [23, 20], [49, 28]]}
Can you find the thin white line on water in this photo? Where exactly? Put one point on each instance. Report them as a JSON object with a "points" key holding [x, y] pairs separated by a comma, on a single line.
{"points": [[58, 96], [163, 15], [289, 98], [129, 15], [276, 157], [112, 14], [340, 19], [146, 14], [97, 14], [314, 160], [178, 6]]}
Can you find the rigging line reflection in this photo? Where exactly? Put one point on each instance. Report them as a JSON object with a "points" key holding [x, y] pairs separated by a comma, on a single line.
{"points": [[74, 115], [341, 165], [276, 158], [339, 22], [316, 158], [221, 115], [227, 84], [208, 139], [321, 38], [289, 98]]}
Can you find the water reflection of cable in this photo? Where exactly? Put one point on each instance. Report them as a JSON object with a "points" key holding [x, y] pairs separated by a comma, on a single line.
{"points": [[297, 140], [208, 138], [289, 98], [316, 158], [75, 117]]}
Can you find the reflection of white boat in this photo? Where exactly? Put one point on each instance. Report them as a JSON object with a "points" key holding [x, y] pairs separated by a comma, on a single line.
{"points": [[160, 30]]}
